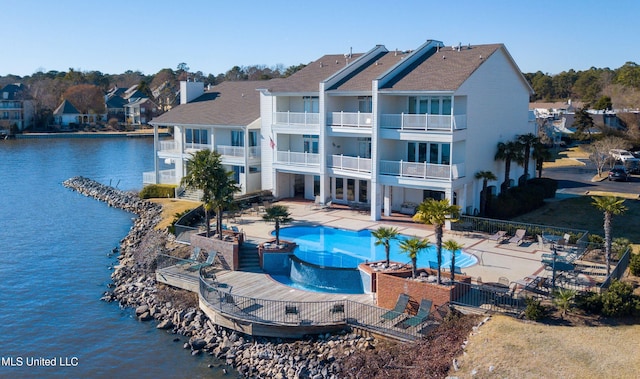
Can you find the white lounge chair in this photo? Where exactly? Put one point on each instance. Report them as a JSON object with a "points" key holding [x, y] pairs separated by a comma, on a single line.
{"points": [[518, 236]]}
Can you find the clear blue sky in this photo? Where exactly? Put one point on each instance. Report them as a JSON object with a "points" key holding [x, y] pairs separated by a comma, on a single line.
{"points": [[214, 35]]}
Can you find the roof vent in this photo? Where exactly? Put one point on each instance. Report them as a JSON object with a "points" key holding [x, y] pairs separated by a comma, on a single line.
{"points": [[320, 64], [443, 57], [337, 61], [481, 57]]}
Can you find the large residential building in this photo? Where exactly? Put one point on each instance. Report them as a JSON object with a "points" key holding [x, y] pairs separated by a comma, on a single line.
{"points": [[384, 130], [225, 118], [16, 107]]}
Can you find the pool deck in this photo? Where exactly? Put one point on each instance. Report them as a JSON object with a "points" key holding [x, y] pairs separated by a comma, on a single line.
{"points": [[495, 259]]}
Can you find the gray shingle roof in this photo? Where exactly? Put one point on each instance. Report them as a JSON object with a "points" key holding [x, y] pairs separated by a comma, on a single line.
{"points": [[66, 108], [229, 103], [308, 79], [444, 70], [362, 78]]}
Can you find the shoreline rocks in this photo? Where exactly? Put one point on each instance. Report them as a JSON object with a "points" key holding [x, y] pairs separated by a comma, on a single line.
{"points": [[134, 286]]}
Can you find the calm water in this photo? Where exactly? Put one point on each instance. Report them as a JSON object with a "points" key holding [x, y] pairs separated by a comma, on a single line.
{"points": [[54, 266]]}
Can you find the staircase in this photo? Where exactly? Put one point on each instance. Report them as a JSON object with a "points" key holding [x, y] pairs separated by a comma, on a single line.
{"points": [[248, 256], [193, 195]]}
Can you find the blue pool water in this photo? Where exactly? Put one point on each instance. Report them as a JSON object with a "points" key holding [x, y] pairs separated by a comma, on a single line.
{"points": [[326, 259], [331, 247]]}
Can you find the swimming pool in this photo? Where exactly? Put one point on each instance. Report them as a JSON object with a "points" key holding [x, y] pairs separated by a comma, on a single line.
{"points": [[326, 259], [331, 247]]}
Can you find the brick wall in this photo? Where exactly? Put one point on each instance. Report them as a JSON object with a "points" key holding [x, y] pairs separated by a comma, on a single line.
{"points": [[390, 285]]}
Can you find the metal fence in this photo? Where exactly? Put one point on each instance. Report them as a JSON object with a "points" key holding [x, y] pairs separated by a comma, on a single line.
{"points": [[489, 298], [618, 270], [292, 313]]}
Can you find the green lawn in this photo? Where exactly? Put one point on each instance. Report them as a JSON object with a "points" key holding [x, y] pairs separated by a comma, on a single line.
{"points": [[578, 213]]}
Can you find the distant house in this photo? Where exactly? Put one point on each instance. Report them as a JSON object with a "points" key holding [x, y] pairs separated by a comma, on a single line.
{"points": [[140, 111], [115, 103], [16, 107], [67, 116]]}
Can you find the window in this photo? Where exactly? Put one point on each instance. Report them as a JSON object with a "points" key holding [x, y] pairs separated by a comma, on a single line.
{"points": [[254, 169], [310, 143], [311, 104], [253, 138], [437, 153], [316, 185], [200, 136], [339, 188], [364, 104], [362, 191], [364, 147], [237, 138], [432, 105], [351, 189]]}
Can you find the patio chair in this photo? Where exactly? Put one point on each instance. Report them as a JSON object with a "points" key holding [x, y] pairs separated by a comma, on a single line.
{"points": [[503, 280], [337, 308], [194, 257], [518, 236], [206, 263], [420, 317], [541, 243], [498, 236], [398, 310]]}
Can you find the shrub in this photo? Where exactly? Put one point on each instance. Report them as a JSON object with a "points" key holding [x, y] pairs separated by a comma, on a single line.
{"points": [[590, 302], [620, 245], [619, 300], [634, 265], [157, 190], [563, 299], [516, 201], [534, 310]]}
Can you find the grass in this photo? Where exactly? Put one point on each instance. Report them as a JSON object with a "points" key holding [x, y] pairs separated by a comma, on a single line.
{"points": [[170, 207], [515, 349], [578, 213]]}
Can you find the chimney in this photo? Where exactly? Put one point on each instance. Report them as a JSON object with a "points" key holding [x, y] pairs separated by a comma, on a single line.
{"points": [[190, 91]]}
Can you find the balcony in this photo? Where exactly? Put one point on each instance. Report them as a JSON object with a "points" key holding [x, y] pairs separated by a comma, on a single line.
{"points": [[350, 119], [168, 146], [347, 163], [423, 122], [191, 147], [291, 158], [421, 170], [166, 177], [238, 151], [297, 119]]}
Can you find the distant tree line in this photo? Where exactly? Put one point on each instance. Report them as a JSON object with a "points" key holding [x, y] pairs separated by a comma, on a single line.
{"points": [[86, 89]]}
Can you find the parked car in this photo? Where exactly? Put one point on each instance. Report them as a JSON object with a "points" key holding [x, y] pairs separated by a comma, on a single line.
{"points": [[618, 174], [621, 155]]}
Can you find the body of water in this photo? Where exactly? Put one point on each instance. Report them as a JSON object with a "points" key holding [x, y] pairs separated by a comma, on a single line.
{"points": [[55, 266]]}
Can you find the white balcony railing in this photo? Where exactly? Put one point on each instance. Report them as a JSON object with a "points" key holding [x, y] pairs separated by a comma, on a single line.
{"points": [[166, 177], [297, 118], [238, 151], [168, 145], [422, 170], [297, 159], [342, 162], [423, 122], [190, 146], [350, 119]]}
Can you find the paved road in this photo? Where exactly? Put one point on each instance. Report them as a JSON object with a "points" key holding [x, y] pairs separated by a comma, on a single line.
{"points": [[577, 180]]}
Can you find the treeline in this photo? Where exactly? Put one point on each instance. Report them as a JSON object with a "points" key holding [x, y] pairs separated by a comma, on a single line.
{"points": [[49, 89], [621, 85]]}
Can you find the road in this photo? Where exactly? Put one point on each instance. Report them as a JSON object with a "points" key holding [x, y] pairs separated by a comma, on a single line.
{"points": [[577, 180]]}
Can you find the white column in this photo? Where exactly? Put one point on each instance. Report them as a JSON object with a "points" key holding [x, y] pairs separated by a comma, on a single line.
{"points": [[387, 200]]}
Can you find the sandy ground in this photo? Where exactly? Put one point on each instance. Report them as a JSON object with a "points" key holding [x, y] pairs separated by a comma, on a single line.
{"points": [[170, 207]]}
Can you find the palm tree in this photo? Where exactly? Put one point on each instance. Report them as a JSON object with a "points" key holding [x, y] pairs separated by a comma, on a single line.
{"points": [[383, 236], [563, 299], [507, 152], [436, 212], [278, 214], [206, 173], [412, 248], [453, 247], [611, 206], [526, 141], [485, 176], [540, 154]]}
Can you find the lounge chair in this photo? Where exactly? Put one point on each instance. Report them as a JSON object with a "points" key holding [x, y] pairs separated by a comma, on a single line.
{"points": [[337, 308], [194, 257], [421, 316], [206, 263], [518, 236], [498, 236], [398, 310]]}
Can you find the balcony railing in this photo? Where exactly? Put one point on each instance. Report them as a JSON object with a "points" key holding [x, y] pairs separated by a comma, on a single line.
{"points": [[168, 146], [342, 162], [238, 151], [350, 119], [166, 177], [421, 170], [297, 118], [196, 146], [423, 122], [297, 159]]}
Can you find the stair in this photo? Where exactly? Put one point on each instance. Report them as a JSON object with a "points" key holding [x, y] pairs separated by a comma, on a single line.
{"points": [[248, 256], [193, 195]]}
